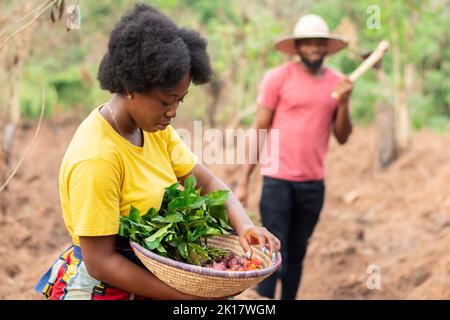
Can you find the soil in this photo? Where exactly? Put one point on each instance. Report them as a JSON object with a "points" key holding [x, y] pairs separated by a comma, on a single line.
{"points": [[394, 222]]}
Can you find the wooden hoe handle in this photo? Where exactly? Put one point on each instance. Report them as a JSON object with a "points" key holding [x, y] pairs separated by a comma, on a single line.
{"points": [[368, 63]]}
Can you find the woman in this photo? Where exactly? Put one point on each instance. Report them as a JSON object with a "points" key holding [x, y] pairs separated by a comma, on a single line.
{"points": [[125, 153]]}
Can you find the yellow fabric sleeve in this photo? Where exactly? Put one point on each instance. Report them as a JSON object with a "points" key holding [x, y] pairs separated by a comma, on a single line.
{"points": [[94, 191]]}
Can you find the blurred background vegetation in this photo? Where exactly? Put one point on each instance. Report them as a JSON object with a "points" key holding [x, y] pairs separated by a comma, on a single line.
{"points": [[241, 36]]}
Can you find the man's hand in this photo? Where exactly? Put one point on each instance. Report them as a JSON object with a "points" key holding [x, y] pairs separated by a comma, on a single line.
{"points": [[343, 90]]}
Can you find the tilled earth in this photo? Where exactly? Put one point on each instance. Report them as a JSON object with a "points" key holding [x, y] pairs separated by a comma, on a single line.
{"points": [[382, 234]]}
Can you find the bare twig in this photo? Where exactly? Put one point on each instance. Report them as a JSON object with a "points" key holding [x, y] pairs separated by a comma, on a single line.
{"points": [[27, 25], [32, 141], [6, 30]]}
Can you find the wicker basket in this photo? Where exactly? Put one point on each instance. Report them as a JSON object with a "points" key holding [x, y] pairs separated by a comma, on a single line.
{"points": [[207, 282]]}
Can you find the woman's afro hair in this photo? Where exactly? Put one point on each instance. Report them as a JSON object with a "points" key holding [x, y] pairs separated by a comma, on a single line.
{"points": [[147, 49]]}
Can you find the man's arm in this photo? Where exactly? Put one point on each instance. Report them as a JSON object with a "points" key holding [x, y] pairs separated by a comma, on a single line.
{"points": [[263, 120], [342, 121]]}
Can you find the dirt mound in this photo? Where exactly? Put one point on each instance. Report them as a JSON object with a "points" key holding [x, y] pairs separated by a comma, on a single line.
{"points": [[395, 221]]}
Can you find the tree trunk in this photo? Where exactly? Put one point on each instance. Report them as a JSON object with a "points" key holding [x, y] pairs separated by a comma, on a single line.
{"points": [[402, 118], [13, 112], [13, 62], [387, 148], [12, 119], [385, 121], [215, 89], [402, 121]]}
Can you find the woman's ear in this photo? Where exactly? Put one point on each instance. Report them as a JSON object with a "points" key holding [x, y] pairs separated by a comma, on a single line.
{"points": [[128, 95]]}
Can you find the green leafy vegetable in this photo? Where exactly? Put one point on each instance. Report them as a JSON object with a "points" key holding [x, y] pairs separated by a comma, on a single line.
{"points": [[180, 228]]}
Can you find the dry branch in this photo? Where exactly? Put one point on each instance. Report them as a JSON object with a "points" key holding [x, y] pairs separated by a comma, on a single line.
{"points": [[15, 33], [32, 141]]}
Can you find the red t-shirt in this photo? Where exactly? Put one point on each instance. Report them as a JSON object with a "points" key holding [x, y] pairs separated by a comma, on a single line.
{"points": [[304, 112]]}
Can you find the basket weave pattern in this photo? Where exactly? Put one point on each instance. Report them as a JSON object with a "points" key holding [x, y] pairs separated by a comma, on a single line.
{"points": [[207, 282]]}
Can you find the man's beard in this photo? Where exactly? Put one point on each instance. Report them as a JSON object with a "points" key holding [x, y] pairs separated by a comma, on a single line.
{"points": [[313, 66]]}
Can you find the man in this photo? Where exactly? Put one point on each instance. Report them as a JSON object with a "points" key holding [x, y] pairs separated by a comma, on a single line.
{"points": [[296, 100]]}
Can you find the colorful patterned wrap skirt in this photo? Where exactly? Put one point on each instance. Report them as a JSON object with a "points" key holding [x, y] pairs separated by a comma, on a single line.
{"points": [[68, 279]]}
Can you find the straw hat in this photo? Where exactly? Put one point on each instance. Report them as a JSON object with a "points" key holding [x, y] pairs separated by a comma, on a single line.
{"points": [[311, 26]]}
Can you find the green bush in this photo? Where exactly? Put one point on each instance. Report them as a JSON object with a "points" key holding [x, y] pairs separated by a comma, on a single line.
{"points": [[74, 87], [31, 100]]}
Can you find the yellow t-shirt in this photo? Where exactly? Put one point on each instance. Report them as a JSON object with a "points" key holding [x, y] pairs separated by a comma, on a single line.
{"points": [[102, 175]]}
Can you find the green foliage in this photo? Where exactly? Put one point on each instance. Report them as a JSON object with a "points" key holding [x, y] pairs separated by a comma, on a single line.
{"points": [[69, 85], [241, 36], [366, 93], [30, 93], [420, 29], [180, 228], [424, 113], [64, 89]]}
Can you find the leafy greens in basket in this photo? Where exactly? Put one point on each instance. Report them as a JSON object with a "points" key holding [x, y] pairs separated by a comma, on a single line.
{"points": [[179, 230]]}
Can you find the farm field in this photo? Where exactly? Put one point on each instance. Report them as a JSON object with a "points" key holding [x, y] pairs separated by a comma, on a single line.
{"points": [[397, 219]]}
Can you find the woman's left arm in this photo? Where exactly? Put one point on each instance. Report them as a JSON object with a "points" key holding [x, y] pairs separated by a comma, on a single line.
{"points": [[248, 233]]}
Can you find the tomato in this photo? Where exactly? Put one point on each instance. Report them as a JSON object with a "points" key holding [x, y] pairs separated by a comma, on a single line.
{"points": [[252, 264], [256, 262]]}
